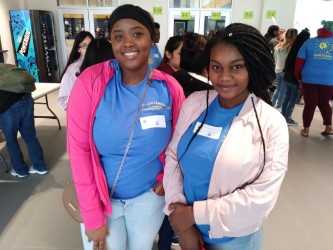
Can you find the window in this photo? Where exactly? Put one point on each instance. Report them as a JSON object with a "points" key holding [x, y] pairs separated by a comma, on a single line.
{"points": [[184, 4], [102, 3], [215, 3], [72, 2], [73, 24]]}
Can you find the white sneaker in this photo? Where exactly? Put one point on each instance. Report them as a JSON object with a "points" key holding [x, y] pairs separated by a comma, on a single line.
{"points": [[32, 170], [15, 174]]}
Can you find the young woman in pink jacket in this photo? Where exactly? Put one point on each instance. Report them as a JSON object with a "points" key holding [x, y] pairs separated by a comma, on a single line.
{"points": [[229, 152], [121, 116]]}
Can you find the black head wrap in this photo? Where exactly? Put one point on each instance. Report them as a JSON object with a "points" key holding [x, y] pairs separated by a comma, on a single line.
{"points": [[133, 12]]}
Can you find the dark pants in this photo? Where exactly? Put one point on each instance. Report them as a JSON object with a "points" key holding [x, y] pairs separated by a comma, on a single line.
{"points": [[317, 95], [165, 235], [290, 100], [20, 118]]}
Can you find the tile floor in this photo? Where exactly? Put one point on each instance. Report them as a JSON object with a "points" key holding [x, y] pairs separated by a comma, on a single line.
{"points": [[32, 216]]}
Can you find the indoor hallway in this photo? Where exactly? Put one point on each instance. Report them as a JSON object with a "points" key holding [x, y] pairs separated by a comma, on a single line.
{"points": [[32, 216]]}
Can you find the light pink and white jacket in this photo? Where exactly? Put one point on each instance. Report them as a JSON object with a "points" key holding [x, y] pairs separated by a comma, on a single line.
{"points": [[238, 161], [87, 171]]}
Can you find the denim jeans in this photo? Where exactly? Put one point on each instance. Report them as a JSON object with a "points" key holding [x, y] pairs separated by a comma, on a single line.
{"points": [[290, 100], [280, 91], [20, 118], [249, 242], [134, 223]]}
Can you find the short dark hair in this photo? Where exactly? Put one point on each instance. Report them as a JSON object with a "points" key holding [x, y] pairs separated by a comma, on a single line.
{"points": [[258, 58], [271, 32], [192, 58], [172, 44]]}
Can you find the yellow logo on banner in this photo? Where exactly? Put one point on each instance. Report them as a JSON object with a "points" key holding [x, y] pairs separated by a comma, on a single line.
{"points": [[216, 16], [248, 15], [323, 45], [270, 14], [186, 15], [157, 10]]}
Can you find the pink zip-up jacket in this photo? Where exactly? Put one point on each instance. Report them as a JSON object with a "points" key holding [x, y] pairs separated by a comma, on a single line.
{"points": [[87, 172], [238, 161]]}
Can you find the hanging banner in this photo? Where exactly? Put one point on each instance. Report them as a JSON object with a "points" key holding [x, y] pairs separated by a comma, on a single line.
{"points": [[216, 16], [271, 14], [157, 10], [248, 15], [186, 15]]}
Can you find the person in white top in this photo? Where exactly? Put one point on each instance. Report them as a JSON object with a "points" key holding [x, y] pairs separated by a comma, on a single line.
{"points": [[72, 69], [281, 52]]}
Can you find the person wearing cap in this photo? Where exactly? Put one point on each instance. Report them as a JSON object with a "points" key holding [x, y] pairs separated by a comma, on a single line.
{"points": [[121, 117], [314, 68]]}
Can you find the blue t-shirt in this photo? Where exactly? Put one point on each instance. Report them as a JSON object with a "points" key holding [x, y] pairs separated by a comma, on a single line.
{"points": [[155, 57], [198, 162], [114, 118], [318, 56]]}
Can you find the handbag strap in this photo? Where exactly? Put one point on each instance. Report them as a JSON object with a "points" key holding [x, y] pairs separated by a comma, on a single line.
{"points": [[130, 138]]}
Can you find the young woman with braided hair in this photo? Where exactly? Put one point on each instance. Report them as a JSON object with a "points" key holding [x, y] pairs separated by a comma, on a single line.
{"points": [[229, 153]]}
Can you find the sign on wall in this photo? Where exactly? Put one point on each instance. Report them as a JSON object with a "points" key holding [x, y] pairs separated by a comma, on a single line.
{"points": [[271, 14], [216, 15], [248, 15], [157, 10], [186, 15]]}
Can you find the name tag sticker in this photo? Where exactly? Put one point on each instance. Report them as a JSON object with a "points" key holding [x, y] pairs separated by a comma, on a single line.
{"points": [[153, 121], [208, 131]]}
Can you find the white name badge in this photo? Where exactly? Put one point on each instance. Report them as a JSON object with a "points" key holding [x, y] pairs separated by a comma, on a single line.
{"points": [[153, 121], [208, 131]]}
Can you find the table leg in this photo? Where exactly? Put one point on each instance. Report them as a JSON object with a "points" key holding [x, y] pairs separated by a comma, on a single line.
{"points": [[3, 160], [54, 116]]}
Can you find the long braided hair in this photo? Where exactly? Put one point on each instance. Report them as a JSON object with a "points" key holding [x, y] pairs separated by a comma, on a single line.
{"points": [[258, 58], [260, 65]]}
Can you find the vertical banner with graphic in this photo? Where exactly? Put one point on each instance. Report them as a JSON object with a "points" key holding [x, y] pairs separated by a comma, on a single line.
{"points": [[20, 23]]}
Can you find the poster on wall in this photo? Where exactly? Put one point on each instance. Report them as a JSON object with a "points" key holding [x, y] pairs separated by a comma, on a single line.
{"points": [[157, 10], [248, 15], [270, 14], [23, 41]]}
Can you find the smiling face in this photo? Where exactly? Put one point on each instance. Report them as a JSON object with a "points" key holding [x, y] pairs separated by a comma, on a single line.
{"points": [[229, 75], [131, 43]]}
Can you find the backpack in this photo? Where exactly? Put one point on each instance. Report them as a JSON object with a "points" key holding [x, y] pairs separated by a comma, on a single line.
{"points": [[15, 80]]}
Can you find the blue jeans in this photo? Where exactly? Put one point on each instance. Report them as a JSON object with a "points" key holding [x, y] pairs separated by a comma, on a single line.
{"points": [[290, 100], [280, 91], [249, 242], [134, 223], [20, 118]]}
